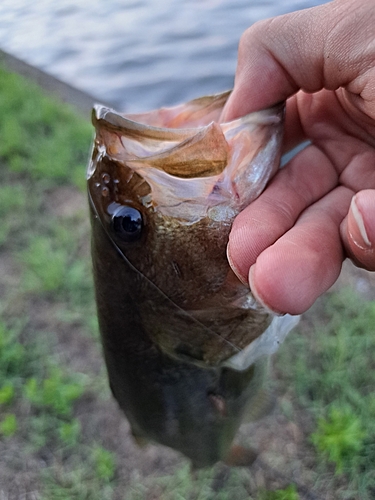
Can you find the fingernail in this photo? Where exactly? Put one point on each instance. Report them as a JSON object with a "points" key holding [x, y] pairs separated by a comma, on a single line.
{"points": [[234, 267], [356, 227], [257, 296]]}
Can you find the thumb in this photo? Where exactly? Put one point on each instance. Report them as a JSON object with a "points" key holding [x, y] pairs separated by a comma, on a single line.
{"points": [[328, 46], [358, 230]]}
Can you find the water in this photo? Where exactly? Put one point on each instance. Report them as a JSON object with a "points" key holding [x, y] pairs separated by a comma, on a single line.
{"points": [[135, 54]]}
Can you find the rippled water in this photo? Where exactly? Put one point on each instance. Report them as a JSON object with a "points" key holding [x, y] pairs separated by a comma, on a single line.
{"points": [[136, 54]]}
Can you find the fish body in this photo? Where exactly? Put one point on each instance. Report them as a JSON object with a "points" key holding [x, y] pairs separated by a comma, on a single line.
{"points": [[183, 338]]}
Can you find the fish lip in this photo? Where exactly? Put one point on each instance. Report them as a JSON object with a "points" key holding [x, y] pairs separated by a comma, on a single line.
{"points": [[102, 115]]}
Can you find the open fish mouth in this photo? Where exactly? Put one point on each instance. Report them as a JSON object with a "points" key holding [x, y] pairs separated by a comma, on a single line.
{"points": [[194, 166]]}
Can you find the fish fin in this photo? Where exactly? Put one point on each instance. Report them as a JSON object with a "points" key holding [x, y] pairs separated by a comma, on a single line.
{"points": [[264, 399], [219, 404], [240, 456], [141, 441], [261, 405]]}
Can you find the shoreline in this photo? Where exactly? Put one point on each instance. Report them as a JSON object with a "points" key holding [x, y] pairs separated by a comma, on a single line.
{"points": [[64, 92]]}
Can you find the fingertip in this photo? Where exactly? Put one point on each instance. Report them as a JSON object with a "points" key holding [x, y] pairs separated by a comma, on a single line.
{"points": [[257, 294], [275, 286], [356, 221], [228, 112], [287, 278], [246, 242], [359, 229], [238, 271]]}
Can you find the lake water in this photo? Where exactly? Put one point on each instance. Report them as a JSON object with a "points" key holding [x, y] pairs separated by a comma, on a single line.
{"points": [[135, 54]]}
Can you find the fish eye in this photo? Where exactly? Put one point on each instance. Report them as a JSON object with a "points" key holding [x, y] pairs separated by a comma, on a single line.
{"points": [[127, 223]]}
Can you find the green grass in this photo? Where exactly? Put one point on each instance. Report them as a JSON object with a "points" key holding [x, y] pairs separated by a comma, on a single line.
{"points": [[8, 425], [40, 137], [289, 493], [340, 436], [206, 485], [52, 392], [334, 379], [48, 287], [201, 485]]}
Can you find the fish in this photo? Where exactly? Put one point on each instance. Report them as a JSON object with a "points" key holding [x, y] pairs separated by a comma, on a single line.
{"points": [[184, 341]]}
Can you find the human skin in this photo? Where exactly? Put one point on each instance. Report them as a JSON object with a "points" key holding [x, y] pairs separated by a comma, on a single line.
{"points": [[289, 244]]}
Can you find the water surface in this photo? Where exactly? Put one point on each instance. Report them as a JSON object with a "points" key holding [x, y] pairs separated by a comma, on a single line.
{"points": [[135, 54]]}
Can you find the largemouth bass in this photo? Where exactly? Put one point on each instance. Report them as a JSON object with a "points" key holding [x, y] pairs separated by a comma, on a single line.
{"points": [[183, 338]]}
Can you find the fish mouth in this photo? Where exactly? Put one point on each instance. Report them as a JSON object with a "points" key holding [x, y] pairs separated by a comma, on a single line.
{"points": [[195, 166]]}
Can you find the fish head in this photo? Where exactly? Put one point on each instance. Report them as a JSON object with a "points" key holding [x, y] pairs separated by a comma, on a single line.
{"points": [[166, 186]]}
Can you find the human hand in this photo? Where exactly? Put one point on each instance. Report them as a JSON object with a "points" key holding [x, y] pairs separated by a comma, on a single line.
{"points": [[320, 208]]}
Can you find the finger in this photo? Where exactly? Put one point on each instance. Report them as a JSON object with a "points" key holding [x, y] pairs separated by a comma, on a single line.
{"points": [[358, 230], [291, 274], [310, 50], [306, 178]]}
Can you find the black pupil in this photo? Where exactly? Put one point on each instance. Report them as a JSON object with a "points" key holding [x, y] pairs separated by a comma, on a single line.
{"points": [[127, 223]]}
